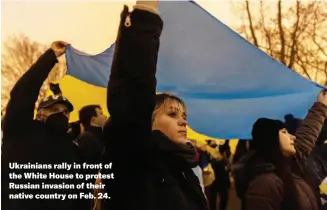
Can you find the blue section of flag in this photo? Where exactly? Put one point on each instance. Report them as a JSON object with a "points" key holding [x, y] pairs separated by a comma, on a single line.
{"points": [[93, 69], [226, 82]]}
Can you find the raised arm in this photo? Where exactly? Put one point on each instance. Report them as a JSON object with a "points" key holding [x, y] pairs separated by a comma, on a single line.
{"points": [[307, 134], [131, 101], [21, 106], [132, 83]]}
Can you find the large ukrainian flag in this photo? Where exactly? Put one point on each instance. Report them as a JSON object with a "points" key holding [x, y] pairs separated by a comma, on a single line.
{"points": [[226, 82]]}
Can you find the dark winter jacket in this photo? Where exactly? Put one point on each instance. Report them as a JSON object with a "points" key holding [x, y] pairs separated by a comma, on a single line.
{"points": [[91, 144], [29, 141], [266, 191], [151, 171], [316, 169], [242, 149]]}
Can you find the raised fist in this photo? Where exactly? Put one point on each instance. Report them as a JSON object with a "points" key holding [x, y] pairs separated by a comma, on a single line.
{"points": [[322, 97], [59, 47]]}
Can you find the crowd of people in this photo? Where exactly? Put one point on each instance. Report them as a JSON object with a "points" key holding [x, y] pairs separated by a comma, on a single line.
{"points": [[155, 165]]}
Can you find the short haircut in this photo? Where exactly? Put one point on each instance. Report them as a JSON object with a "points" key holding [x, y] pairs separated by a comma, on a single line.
{"points": [[86, 114], [163, 100]]}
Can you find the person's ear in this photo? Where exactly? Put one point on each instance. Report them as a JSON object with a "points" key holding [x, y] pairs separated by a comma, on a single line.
{"points": [[93, 120]]}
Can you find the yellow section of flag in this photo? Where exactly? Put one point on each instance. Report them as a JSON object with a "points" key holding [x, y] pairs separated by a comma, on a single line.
{"points": [[80, 94], [323, 188]]}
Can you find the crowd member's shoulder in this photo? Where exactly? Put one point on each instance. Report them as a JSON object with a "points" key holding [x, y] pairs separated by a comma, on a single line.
{"points": [[85, 138], [32, 128], [266, 182], [265, 191]]}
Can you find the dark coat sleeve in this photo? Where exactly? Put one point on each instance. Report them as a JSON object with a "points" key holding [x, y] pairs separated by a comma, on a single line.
{"points": [[264, 192], [307, 134], [131, 101], [21, 106]]}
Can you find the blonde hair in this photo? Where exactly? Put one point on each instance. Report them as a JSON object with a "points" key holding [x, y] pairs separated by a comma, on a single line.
{"points": [[164, 101]]}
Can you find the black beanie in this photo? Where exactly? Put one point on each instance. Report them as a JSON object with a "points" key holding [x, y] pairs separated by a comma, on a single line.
{"points": [[265, 134]]}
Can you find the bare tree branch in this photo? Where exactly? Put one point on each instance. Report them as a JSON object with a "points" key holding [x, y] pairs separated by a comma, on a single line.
{"points": [[281, 33], [255, 40], [294, 40], [266, 32], [244, 31], [18, 55], [294, 34], [314, 39], [325, 71], [303, 67]]}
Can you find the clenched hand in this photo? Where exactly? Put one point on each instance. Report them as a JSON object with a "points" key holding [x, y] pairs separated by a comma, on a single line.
{"points": [[59, 47]]}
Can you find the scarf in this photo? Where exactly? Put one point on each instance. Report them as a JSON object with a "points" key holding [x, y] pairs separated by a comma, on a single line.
{"points": [[181, 155]]}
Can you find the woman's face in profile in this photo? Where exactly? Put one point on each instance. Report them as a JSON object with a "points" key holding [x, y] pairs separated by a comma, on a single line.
{"points": [[286, 142], [170, 119]]}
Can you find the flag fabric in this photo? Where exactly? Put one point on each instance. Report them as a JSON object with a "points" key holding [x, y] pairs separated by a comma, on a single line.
{"points": [[323, 192], [226, 83]]}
